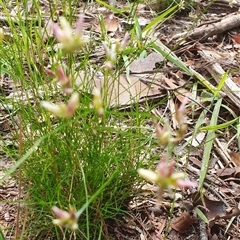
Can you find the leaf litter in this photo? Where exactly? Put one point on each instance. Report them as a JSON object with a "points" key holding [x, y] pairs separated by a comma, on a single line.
{"points": [[148, 219]]}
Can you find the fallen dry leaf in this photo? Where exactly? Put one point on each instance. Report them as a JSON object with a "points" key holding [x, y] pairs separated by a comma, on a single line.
{"points": [[110, 23], [146, 64], [216, 209], [181, 93], [197, 140], [231, 213], [122, 91], [212, 209], [160, 225], [227, 172], [236, 38], [183, 222], [235, 156], [236, 79]]}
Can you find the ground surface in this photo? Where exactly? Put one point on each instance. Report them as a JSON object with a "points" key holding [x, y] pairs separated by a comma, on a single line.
{"points": [[200, 45]]}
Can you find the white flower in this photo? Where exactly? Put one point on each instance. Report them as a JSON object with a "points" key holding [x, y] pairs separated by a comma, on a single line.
{"points": [[69, 41]]}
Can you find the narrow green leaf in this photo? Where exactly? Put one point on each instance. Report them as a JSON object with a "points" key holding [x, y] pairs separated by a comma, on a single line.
{"points": [[93, 197], [201, 215], [113, 9], [202, 80], [138, 29], [221, 83], [28, 154], [102, 26], [238, 134], [1, 235], [219, 126], [208, 144], [169, 55], [158, 19], [200, 121], [22, 159]]}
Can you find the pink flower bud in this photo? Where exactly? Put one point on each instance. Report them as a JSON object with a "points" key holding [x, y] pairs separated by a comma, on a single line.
{"points": [[165, 177], [73, 104], [186, 184], [123, 44], [164, 168], [162, 134], [49, 72], [61, 109], [65, 219], [60, 213], [64, 80]]}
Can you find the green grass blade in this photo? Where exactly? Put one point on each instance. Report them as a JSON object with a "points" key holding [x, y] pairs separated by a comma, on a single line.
{"points": [[208, 144], [93, 197], [1, 235], [138, 29], [201, 79], [22, 159], [201, 215], [238, 134], [169, 55], [28, 154], [221, 83], [158, 19], [219, 126], [113, 9]]}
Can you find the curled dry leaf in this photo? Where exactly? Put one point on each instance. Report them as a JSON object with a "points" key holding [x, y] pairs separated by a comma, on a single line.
{"points": [[212, 209], [183, 222]]}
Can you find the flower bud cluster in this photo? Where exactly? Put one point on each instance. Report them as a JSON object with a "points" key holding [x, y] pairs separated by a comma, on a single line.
{"points": [[69, 40], [164, 135], [113, 50], [66, 219], [165, 177]]}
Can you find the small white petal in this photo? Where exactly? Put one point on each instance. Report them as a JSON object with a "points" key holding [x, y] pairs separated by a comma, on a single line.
{"points": [[57, 110], [66, 27], [57, 222], [74, 101], [148, 175]]}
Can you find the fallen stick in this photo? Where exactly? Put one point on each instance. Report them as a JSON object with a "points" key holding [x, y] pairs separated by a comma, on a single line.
{"points": [[216, 71], [204, 32]]}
